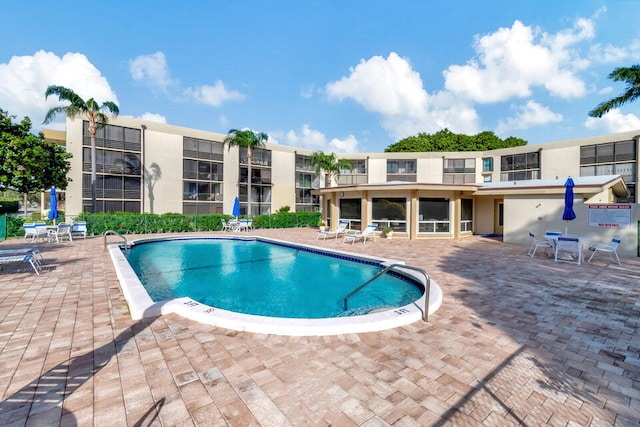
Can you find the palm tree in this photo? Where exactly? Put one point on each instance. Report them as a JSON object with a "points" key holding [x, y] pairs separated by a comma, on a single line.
{"points": [[630, 75], [329, 164], [89, 110], [250, 140]]}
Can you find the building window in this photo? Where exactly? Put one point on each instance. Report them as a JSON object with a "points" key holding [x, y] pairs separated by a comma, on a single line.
{"points": [[390, 212], [351, 211], [487, 164], [305, 181], [613, 158], [118, 169], [433, 215], [202, 176], [401, 170], [459, 171], [466, 215], [356, 175], [518, 167]]}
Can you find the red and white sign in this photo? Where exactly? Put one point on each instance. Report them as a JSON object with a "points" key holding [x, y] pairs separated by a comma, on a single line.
{"points": [[610, 215]]}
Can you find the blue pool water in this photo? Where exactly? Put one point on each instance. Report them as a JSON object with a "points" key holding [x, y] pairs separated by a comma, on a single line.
{"points": [[261, 278]]}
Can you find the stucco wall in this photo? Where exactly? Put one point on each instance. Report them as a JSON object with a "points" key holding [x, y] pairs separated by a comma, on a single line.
{"points": [[283, 173], [163, 149]]}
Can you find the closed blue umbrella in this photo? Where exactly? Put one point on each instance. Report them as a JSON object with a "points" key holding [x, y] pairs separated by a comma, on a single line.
{"points": [[568, 214], [53, 212], [236, 207]]}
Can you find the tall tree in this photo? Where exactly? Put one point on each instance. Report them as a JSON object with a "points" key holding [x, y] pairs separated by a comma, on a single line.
{"points": [[445, 140], [28, 163], [250, 140], [330, 165], [90, 110], [629, 75]]}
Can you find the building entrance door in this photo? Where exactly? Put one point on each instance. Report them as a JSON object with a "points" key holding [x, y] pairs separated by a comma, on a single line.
{"points": [[498, 222]]}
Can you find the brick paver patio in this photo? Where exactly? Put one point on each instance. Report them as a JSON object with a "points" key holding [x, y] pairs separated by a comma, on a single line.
{"points": [[517, 341]]}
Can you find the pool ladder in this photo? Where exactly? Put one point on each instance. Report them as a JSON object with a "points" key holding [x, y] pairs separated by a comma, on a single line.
{"points": [[113, 232], [425, 313]]}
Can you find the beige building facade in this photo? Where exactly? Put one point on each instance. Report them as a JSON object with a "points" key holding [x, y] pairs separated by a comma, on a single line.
{"points": [[150, 167]]}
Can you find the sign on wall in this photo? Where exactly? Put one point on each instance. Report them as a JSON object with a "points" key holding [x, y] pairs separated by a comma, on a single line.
{"points": [[606, 215]]}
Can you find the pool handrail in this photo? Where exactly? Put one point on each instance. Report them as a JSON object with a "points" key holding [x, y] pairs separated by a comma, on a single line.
{"points": [[425, 313], [113, 232]]}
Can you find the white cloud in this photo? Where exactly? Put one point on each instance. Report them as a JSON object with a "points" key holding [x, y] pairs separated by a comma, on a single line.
{"points": [[511, 61], [25, 79], [386, 86], [152, 70], [215, 95], [614, 121], [528, 115], [390, 87], [316, 140], [153, 117]]}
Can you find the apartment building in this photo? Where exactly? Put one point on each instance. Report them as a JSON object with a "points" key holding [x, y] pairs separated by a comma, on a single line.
{"points": [[145, 166]]}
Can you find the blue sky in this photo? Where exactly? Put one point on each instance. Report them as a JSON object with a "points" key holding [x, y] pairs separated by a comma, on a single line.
{"points": [[332, 75]]}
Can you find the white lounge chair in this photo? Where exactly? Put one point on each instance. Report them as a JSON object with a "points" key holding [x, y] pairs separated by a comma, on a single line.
{"points": [[538, 243], [22, 251], [62, 231], [79, 227], [225, 225], [369, 232], [21, 258], [570, 246], [611, 249], [342, 229]]}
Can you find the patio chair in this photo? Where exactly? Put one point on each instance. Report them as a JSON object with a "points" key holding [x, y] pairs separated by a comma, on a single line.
{"points": [[63, 230], [553, 233], [538, 243], [21, 258], [368, 232], [569, 249], [225, 225], [80, 228], [342, 229], [35, 231], [611, 249]]}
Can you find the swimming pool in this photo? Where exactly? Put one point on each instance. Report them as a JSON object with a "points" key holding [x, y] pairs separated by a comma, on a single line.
{"points": [[259, 302]]}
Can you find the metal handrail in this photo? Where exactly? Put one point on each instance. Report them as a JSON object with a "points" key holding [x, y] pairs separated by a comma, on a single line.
{"points": [[425, 313], [113, 232]]}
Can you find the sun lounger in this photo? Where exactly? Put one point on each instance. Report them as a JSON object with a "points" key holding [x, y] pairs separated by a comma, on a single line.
{"points": [[22, 258], [21, 251]]}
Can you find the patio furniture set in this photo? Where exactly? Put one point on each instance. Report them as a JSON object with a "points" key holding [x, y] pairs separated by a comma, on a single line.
{"points": [[41, 232], [569, 247]]}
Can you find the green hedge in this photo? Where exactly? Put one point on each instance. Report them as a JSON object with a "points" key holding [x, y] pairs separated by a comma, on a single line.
{"points": [[129, 223]]}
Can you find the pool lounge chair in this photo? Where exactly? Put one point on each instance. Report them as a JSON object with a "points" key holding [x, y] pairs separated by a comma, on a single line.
{"points": [[342, 229], [369, 232], [21, 258], [22, 251], [611, 249]]}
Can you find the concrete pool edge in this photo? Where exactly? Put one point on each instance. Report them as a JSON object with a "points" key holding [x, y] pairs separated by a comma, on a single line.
{"points": [[142, 306]]}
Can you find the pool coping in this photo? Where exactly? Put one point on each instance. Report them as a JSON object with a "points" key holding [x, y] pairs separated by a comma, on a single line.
{"points": [[142, 306]]}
